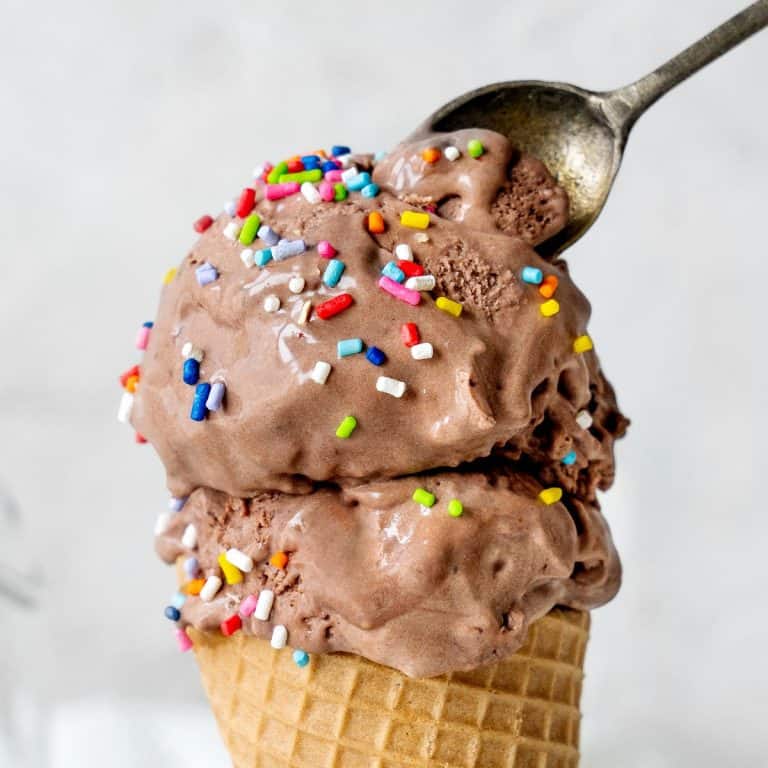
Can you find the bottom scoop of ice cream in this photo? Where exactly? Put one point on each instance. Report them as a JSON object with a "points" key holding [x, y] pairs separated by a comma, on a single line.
{"points": [[367, 569]]}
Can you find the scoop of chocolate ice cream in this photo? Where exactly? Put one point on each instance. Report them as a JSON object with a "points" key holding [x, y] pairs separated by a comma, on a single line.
{"points": [[403, 335]]}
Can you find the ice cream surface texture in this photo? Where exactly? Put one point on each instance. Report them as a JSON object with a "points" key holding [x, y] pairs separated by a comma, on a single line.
{"points": [[383, 409]]}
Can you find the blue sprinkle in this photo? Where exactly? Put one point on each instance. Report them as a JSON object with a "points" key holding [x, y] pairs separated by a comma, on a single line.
{"points": [[333, 273], [191, 371], [191, 566], [213, 403], [309, 159], [287, 248], [328, 165], [380, 155], [206, 273], [268, 235], [178, 599], [370, 190], [340, 149], [532, 275], [569, 458], [148, 324], [375, 356], [356, 183], [347, 347], [301, 658], [263, 257], [199, 410], [176, 503], [311, 165], [172, 613], [393, 272]]}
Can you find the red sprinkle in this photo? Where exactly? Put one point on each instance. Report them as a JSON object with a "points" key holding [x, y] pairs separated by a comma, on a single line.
{"points": [[127, 375], [410, 268], [295, 166], [140, 439], [203, 223], [246, 202], [409, 333], [231, 625], [334, 306], [267, 168]]}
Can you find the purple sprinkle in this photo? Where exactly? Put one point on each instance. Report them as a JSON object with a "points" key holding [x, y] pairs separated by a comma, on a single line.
{"points": [[191, 566], [176, 503], [287, 248], [213, 403], [206, 273], [268, 235]]}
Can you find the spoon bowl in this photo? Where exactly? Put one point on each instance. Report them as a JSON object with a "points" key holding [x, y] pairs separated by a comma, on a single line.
{"points": [[579, 134]]}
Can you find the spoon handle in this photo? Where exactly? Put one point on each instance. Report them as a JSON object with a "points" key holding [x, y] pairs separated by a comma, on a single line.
{"points": [[624, 105]]}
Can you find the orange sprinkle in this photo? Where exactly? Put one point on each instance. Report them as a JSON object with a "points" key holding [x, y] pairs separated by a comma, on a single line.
{"points": [[431, 154], [279, 560], [375, 223], [293, 159], [320, 153], [131, 382], [548, 286], [193, 587]]}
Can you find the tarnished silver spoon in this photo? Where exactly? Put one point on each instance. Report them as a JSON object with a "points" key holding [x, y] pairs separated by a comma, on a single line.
{"points": [[580, 135]]}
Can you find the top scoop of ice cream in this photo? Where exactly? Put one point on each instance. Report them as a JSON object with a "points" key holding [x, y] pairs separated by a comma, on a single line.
{"points": [[505, 409]]}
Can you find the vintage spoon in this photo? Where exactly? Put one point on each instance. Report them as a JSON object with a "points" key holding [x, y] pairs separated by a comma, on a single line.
{"points": [[579, 134]]}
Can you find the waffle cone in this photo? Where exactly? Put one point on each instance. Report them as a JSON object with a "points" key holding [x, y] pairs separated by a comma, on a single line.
{"points": [[342, 711]]}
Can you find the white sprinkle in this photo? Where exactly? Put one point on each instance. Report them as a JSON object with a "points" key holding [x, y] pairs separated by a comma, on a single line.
{"points": [[422, 351], [403, 252], [125, 408], [390, 386], [305, 310], [296, 284], [163, 523], [350, 173], [264, 604], [189, 350], [584, 419], [189, 539], [320, 372], [210, 588], [345, 160], [247, 257], [230, 207], [279, 637], [240, 560], [421, 237], [232, 230], [310, 192], [271, 303], [452, 153], [421, 283], [259, 170]]}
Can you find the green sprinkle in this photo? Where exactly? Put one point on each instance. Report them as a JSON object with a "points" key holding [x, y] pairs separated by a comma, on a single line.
{"points": [[347, 427], [455, 508], [339, 191], [423, 497], [250, 228], [475, 147], [277, 172], [314, 175]]}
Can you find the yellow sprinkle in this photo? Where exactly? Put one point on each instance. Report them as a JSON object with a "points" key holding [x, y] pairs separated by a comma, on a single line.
{"points": [[449, 306], [169, 275], [550, 308], [414, 219], [551, 495], [231, 574], [582, 344]]}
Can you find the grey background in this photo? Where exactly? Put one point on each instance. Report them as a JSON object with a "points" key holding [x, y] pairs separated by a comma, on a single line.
{"points": [[122, 122]]}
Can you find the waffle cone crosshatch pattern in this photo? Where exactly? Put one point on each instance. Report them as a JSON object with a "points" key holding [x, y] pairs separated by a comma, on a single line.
{"points": [[342, 711]]}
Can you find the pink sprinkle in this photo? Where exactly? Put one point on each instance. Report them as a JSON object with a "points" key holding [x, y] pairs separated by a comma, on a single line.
{"points": [[279, 191], [325, 249], [333, 176], [182, 638], [326, 191], [399, 291], [142, 337], [248, 606]]}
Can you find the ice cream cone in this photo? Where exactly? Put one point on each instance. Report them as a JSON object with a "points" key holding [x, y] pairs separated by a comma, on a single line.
{"points": [[342, 711]]}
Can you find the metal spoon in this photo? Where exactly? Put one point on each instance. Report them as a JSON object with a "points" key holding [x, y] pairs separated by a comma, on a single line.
{"points": [[579, 134]]}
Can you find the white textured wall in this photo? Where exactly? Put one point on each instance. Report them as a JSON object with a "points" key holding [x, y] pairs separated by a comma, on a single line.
{"points": [[121, 122]]}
